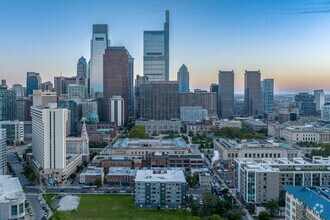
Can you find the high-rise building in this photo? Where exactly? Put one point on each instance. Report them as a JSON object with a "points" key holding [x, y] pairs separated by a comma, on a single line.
{"points": [[33, 82], [82, 67], [319, 99], [7, 104], [3, 83], [62, 83], [116, 114], [156, 53], [88, 107], [15, 131], [18, 89], [306, 104], [115, 78], [226, 107], [130, 86], [99, 43], [23, 108], [267, 87], [3, 151], [137, 94], [47, 86], [183, 79], [252, 93], [207, 100], [325, 115], [49, 137], [74, 114], [76, 92], [43, 98], [159, 100], [214, 87], [192, 113]]}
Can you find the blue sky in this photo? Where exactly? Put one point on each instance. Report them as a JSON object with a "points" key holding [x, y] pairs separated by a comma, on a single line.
{"points": [[288, 40]]}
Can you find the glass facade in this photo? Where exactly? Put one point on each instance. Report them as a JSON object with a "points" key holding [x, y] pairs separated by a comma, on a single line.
{"points": [[33, 82], [267, 86], [7, 104], [183, 78]]}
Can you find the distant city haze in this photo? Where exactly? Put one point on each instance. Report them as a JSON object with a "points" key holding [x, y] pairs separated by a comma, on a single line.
{"points": [[285, 40]]}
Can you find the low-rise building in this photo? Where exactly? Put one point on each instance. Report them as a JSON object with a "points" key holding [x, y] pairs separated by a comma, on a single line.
{"points": [[12, 198], [255, 125], [91, 174], [160, 126], [303, 202], [202, 127], [252, 148], [192, 113], [160, 189], [107, 162], [79, 145], [219, 124], [205, 180], [261, 181], [122, 176], [15, 131]]}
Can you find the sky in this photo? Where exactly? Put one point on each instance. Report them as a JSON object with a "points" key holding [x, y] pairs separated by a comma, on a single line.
{"points": [[288, 40]]}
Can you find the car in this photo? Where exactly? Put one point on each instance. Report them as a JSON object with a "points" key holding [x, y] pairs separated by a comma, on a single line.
{"points": [[31, 214], [45, 215]]}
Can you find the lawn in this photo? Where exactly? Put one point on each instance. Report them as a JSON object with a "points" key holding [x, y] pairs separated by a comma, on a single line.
{"points": [[116, 207]]}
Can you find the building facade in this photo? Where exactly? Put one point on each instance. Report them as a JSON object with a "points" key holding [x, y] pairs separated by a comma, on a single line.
{"points": [[76, 92], [252, 93], [156, 53], [306, 104], [15, 131], [43, 98], [18, 89], [267, 88], [226, 107], [160, 126], [3, 152], [7, 104], [325, 114], [183, 79], [117, 110], [192, 113], [319, 99], [207, 100], [33, 82]]}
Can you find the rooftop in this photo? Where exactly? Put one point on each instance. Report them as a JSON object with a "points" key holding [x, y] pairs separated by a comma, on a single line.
{"points": [[92, 170], [316, 198], [10, 188], [121, 171], [147, 143], [160, 176]]}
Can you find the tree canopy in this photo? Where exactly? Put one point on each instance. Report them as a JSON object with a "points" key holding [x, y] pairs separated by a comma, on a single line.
{"points": [[138, 132]]}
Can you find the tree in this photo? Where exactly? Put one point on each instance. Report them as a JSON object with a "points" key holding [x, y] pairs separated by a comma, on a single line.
{"points": [[281, 198], [210, 204], [98, 182], [235, 215], [215, 217], [73, 176], [264, 215], [225, 191], [138, 132], [272, 207]]}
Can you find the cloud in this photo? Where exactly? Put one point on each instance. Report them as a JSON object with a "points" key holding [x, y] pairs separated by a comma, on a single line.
{"points": [[311, 7]]}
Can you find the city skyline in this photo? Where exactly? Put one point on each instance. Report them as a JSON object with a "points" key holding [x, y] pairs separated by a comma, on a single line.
{"points": [[287, 41]]}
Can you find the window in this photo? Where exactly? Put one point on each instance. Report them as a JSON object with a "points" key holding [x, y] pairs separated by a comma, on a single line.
{"points": [[14, 210], [21, 208]]}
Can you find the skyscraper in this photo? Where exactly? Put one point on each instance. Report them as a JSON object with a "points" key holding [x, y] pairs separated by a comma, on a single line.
{"points": [[319, 99], [82, 67], [130, 86], [18, 89], [47, 86], [226, 107], [49, 137], [156, 53], [306, 104], [33, 82], [117, 106], [267, 87], [252, 93], [43, 98], [3, 150], [115, 78], [76, 92], [99, 43], [214, 87], [183, 79], [7, 104]]}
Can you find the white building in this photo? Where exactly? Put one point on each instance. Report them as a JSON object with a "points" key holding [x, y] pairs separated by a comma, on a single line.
{"points": [[192, 113], [12, 198], [49, 137], [307, 203], [117, 110], [41, 98], [79, 145], [319, 99], [15, 130], [159, 126], [325, 113], [227, 123], [3, 151]]}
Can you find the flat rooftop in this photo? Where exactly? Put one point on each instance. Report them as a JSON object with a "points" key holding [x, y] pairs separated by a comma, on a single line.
{"points": [[163, 175], [10, 188], [149, 143], [93, 171], [316, 198], [121, 171]]}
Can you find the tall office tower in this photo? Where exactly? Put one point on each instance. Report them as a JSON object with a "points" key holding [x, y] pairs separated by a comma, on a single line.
{"points": [[252, 93], [43, 98], [33, 82], [226, 107], [183, 79], [214, 87], [130, 86], [3, 83], [47, 86], [18, 89], [207, 100], [319, 99], [115, 78], [49, 137], [23, 108], [88, 107], [74, 114], [117, 106], [62, 83], [137, 94], [99, 43], [159, 100], [267, 88], [7, 104], [82, 68], [3, 152], [156, 53], [76, 92], [325, 114], [306, 104], [88, 86]]}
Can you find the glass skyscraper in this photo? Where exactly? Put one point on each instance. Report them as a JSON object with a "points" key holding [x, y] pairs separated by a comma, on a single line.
{"points": [[183, 78], [33, 82], [267, 87], [156, 53], [252, 93], [82, 67], [226, 108], [99, 43], [7, 104]]}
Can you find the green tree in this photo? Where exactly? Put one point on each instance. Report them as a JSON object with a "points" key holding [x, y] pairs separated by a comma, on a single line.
{"points": [[73, 176], [264, 215], [98, 182], [235, 215], [225, 191], [272, 207], [210, 204], [215, 217], [138, 132]]}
